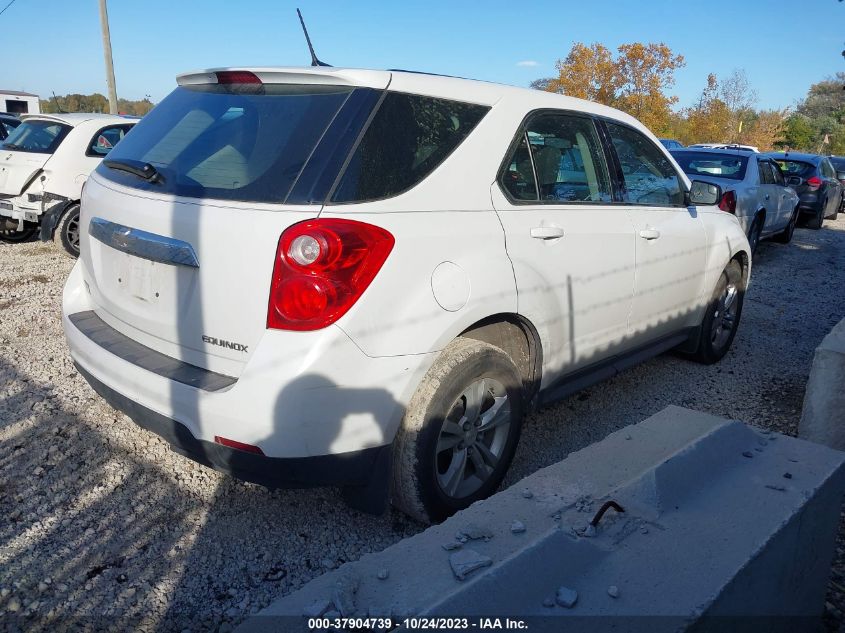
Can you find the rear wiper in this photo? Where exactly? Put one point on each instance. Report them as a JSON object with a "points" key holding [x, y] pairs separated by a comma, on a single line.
{"points": [[134, 167], [11, 146]]}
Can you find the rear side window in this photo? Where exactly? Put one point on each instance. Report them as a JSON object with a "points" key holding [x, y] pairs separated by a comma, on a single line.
{"points": [[648, 175], [567, 160], [229, 142], [105, 140], [518, 176], [766, 177], [408, 138], [38, 137], [776, 173]]}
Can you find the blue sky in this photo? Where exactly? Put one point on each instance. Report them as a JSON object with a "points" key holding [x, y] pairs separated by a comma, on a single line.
{"points": [[55, 45]]}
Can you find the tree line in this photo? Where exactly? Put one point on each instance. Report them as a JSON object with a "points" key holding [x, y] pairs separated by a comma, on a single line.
{"points": [[94, 103], [637, 78]]}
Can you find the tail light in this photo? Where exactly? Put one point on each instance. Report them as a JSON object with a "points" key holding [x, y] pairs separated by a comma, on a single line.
{"points": [[227, 77], [728, 202], [322, 268], [814, 183]]}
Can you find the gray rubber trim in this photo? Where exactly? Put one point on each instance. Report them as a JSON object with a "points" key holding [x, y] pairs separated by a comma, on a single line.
{"points": [[131, 351]]}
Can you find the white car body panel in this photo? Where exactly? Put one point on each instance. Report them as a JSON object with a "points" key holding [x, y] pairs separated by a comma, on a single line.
{"points": [[461, 255]]}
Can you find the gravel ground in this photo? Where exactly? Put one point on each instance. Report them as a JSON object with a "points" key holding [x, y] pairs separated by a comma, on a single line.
{"points": [[103, 525]]}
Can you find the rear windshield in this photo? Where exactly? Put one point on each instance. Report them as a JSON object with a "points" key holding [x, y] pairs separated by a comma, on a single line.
{"points": [[794, 167], [227, 142], [39, 137], [408, 138], [706, 164]]}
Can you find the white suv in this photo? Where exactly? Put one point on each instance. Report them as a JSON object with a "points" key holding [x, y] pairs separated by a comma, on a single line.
{"points": [[320, 276]]}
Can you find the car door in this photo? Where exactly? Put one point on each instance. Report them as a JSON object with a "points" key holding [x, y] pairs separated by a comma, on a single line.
{"points": [[832, 187], [768, 196], [670, 238], [571, 246], [786, 197]]}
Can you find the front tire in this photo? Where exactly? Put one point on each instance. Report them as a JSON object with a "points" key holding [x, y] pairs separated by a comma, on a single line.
{"points": [[67, 231], [13, 236], [721, 319], [459, 433]]}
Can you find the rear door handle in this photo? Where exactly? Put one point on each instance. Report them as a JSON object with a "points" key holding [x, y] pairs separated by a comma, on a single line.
{"points": [[649, 234], [546, 232]]}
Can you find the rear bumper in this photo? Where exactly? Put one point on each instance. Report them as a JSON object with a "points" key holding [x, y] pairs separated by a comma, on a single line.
{"points": [[20, 209], [301, 395], [353, 468]]}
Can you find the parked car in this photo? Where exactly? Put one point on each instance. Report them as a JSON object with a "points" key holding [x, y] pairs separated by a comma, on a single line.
{"points": [[304, 276], [44, 164], [670, 143], [838, 163], [814, 178], [8, 122], [753, 189], [735, 146]]}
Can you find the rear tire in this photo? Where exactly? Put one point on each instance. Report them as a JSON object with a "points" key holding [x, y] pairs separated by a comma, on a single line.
{"points": [[754, 233], [785, 236], [817, 220], [721, 319], [459, 433], [67, 231]]}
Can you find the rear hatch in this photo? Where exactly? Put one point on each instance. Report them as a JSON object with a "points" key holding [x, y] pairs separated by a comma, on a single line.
{"points": [[25, 152], [181, 222]]}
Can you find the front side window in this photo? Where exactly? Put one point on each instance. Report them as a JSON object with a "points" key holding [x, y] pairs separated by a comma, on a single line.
{"points": [[36, 136], [408, 138], [567, 159], [649, 177]]}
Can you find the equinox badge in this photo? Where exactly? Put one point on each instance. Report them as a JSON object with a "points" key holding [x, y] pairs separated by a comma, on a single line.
{"points": [[227, 344]]}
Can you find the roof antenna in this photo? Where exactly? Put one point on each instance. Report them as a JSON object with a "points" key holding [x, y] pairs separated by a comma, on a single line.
{"points": [[58, 107], [314, 60]]}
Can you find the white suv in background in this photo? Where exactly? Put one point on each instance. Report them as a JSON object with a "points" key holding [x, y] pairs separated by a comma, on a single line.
{"points": [[44, 163], [321, 276]]}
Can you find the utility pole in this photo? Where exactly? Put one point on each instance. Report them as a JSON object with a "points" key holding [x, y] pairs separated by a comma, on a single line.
{"points": [[104, 22]]}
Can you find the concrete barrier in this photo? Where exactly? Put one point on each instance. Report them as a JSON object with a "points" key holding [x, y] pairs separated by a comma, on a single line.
{"points": [[718, 520], [823, 415]]}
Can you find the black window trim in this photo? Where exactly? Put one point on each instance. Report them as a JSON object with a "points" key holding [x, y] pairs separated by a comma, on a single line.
{"points": [[342, 172], [125, 126], [620, 177], [522, 133]]}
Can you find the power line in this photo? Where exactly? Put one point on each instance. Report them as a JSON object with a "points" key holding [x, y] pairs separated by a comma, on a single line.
{"points": [[7, 6]]}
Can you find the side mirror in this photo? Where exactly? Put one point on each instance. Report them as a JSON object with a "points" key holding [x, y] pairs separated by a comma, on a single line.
{"points": [[703, 193]]}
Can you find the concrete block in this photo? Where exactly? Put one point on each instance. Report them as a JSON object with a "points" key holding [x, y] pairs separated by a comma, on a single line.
{"points": [[705, 532], [823, 415]]}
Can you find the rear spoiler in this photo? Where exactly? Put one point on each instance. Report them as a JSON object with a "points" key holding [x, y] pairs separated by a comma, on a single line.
{"points": [[319, 75]]}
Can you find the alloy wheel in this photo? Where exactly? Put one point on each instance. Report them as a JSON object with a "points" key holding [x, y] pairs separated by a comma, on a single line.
{"points": [[724, 317], [473, 438], [73, 231]]}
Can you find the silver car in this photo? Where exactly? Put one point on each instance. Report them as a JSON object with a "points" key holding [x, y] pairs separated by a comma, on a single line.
{"points": [[753, 189]]}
